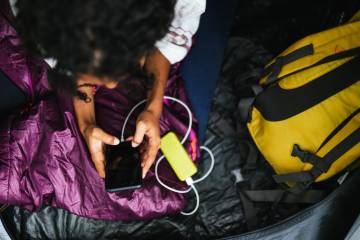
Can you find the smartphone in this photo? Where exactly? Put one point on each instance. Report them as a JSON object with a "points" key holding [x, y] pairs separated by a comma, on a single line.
{"points": [[123, 167]]}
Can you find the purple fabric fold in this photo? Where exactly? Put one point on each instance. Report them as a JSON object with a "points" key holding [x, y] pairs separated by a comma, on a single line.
{"points": [[44, 159]]}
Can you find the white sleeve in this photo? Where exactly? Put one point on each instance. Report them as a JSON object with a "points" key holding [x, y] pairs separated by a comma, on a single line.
{"points": [[177, 42]]}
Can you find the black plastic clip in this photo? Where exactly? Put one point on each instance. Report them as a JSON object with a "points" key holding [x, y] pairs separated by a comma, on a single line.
{"points": [[318, 163]]}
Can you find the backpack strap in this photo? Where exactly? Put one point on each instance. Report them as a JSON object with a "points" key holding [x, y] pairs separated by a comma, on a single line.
{"points": [[284, 196], [250, 212], [320, 164], [276, 103], [274, 69], [250, 197], [245, 104]]}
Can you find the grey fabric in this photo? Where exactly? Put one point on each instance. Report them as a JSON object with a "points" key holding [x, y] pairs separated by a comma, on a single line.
{"points": [[354, 233], [329, 219], [4, 235]]}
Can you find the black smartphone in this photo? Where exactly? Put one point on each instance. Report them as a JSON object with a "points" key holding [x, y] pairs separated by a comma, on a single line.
{"points": [[123, 167]]}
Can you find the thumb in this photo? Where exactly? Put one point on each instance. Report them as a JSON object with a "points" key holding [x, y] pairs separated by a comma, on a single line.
{"points": [[139, 134], [106, 138]]}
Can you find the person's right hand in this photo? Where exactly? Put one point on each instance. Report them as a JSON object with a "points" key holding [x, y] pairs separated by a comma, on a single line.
{"points": [[96, 139]]}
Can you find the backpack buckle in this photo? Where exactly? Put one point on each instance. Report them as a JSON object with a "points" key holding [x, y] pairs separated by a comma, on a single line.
{"points": [[305, 156], [308, 157]]}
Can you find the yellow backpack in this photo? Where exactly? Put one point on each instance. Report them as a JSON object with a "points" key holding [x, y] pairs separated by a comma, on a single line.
{"points": [[306, 121]]}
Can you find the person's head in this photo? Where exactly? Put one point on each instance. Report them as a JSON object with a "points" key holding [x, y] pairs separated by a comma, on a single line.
{"points": [[104, 40]]}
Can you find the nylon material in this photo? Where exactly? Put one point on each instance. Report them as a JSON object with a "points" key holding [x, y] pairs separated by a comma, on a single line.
{"points": [[350, 97], [317, 39], [324, 43], [275, 140], [332, 47], [267, 136], [6, 30], [16, 70], [340, 136], [347, 158], [323, 38], [19, 172], [342, 162], [263, 80], [15, 64], [306, 76], [356, 17], [354, 232], [301, 78], [5, 163], [316, 222]]}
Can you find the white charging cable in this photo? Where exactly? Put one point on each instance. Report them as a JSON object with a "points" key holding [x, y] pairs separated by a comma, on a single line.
{"points": [[190, 182]]}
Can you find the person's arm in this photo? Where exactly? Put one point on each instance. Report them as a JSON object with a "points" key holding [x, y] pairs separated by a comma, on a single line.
{"points": [[171, 49], [158, 66], [148, 121], [94, 136]]}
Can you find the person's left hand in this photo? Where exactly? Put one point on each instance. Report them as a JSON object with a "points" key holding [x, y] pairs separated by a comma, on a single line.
{"points": [[147, 125]]}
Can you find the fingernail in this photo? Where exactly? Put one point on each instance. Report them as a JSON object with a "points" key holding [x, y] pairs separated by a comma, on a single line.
{"points": [[116, 141], [134, 144], [143, 175]]}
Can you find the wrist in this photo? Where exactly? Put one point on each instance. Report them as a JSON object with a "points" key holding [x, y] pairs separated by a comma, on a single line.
{"points": [[155, 108], [84, 127]]}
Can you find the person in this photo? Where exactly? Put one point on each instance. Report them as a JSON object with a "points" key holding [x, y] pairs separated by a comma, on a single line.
{"points": [[106, 56], [92, 44]]}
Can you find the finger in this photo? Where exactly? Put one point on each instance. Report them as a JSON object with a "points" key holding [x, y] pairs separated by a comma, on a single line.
{"points": [[146, 168], [98, 159], [150, 156], [139, 134], [144, 156], [129, 139], [143, 152], [105, 137]]}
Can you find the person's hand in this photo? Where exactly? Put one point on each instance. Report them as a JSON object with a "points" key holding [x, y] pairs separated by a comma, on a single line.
{"points": [[96, 139], [147, 125]]}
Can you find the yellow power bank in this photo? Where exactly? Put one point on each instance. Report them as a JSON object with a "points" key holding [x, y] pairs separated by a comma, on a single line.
{"points": [[177, 156]]}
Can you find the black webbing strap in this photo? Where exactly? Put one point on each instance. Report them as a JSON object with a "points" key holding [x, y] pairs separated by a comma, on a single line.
{"points": [[245, 104], [250, 212], [284, 196], [339, 127], [341, 55], [320, 165], [252, 157], [250, 197], [275, 68], [244, 107], [293, 177]]}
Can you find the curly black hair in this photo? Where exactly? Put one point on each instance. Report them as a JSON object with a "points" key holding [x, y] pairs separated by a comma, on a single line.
{"points": [[105, 38]]}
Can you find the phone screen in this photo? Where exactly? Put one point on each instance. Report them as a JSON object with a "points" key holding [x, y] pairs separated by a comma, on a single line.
{"points": [[123, 167]]}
